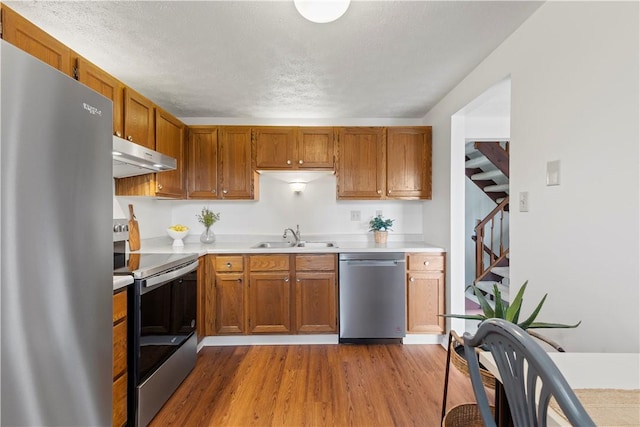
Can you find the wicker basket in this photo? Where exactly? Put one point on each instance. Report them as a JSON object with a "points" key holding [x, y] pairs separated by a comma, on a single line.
{"points": [[465, 415], [460, 362]]}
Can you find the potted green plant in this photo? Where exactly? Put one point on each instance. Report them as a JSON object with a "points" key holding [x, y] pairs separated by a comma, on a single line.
{"points": [[380, 227], [509, 312], [207, 218]]}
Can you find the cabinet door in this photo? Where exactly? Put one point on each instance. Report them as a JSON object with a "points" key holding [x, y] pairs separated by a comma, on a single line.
{"points": [[425, 302], [316, 302], [205, 289], [229, 302], [274, 147], [138, 119], [170, 141], [202, 164], [26, 36], [269, 303], [315, 148], [409, 163], [237, 177], [361, 158], [105, 84]]}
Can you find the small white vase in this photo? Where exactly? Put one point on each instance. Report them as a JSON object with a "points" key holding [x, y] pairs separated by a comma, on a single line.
{"points": [[208, 236]]}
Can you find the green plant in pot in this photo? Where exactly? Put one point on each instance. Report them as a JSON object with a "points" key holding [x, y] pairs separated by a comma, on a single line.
{"points": [[380, 227], [207, 218], [509, 312]]}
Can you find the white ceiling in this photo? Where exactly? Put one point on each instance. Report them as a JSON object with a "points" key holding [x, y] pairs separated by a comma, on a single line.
{"points": [[261, 59]]}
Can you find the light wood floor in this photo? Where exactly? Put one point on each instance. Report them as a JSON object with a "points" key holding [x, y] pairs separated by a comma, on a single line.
{"points": [[315, 385]]}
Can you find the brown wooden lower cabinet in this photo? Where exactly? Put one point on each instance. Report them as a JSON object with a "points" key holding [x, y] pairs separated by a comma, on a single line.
{"points": [[230, 295], [425, 293], [274, 294], [119, 413], [315, 294], [269, 294]]}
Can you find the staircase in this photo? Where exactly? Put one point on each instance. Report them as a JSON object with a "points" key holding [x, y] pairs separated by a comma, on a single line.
{"points": [[487, 166]]}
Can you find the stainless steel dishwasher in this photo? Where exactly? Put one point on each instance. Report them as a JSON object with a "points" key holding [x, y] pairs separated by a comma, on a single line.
{"points": [[372, 297]]}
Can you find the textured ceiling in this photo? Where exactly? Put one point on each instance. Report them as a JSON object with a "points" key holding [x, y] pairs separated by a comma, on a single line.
{"points": [[261, 59]]}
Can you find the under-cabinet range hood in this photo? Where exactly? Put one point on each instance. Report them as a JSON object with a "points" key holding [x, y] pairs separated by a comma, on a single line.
{"points": [[130, 159]]}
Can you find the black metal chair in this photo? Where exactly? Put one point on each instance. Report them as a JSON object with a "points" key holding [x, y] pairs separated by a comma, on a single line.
{"points": [[528, 375]]}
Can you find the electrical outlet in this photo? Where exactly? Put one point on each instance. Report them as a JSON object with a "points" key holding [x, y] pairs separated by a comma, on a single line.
{"points": [[524, 201], [356, 215], [379, 213]]}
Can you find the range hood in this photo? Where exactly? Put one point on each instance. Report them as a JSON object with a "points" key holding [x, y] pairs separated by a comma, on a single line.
{"points": [[130, 159]]}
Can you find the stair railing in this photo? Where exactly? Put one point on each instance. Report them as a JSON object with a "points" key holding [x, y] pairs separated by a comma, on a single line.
{"points": [[494, 220]]}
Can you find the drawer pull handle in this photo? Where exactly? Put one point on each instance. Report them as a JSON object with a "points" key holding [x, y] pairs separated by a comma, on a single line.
{"points": [[286, 279]]}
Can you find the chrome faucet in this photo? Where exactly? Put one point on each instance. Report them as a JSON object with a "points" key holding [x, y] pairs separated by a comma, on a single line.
{"points": [[296, 234]]}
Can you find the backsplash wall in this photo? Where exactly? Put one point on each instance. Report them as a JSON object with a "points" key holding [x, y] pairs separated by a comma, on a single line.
{"points": [[316, 210]]}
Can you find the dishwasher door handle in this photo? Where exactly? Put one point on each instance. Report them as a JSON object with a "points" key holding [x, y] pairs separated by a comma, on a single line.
{"points": [[373, 263]]}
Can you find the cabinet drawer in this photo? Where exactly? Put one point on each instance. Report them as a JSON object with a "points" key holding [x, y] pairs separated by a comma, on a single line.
{"points": [[229, 263], [119, 413], [119, 349], [269, 262], [425, 262], [316, 262], [119, 306]]}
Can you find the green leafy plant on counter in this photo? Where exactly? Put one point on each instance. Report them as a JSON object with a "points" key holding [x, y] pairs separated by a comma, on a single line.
{"points": [[509, 312], [378, 223], [207, 217]]}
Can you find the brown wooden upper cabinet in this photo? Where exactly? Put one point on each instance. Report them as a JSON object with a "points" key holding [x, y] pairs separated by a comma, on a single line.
{"points": [[282, 148], [202, 163], [139, 119], [26, 36], [408, 163], [361, 160], [237, 176], [384, 163], [170, 141], [105, 84]]}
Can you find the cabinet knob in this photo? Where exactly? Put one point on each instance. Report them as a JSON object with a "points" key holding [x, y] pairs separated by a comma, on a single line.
{"points": [[300, 162], [118, 134], [130, 138], [228, 265], [240, 280], [288, 162], [379, 191], [426, 263], [213, 190], [412, 279], [286, 280], [389, 192], [159, 186], [224, 191]]}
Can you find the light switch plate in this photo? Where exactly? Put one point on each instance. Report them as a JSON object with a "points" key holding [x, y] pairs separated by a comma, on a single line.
{"points": [[356, 215], [523, 202], [553, 172]]}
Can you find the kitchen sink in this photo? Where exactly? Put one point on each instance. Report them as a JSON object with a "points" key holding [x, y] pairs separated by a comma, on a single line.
{"points": [[275, 245], [302, 244], [316, 245]]}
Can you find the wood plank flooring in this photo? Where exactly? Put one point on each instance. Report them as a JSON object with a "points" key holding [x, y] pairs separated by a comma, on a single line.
{"points": [[315, 385]]}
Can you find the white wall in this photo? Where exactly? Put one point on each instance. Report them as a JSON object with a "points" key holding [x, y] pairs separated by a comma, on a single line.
{"points": [[574, 69], [316, 210]]}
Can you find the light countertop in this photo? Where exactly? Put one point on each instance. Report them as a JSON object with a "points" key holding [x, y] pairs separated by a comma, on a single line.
{"points": [[121, 282], [245, 245]]}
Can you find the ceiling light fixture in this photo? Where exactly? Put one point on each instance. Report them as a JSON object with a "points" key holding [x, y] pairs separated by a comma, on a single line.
{"points": [[322, 11]]}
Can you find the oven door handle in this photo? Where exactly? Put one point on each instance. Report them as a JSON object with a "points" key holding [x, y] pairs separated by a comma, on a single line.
{"points": [[169, 276]]}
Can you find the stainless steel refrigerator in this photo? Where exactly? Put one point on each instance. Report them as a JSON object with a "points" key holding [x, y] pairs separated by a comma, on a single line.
{"points": [[56, 249]]}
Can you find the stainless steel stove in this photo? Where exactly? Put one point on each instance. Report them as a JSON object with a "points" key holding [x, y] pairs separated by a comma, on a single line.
{"points": [[162, 313]]}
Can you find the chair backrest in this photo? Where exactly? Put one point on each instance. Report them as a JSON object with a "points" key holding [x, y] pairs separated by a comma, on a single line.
{"points": [[528, 374]]}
